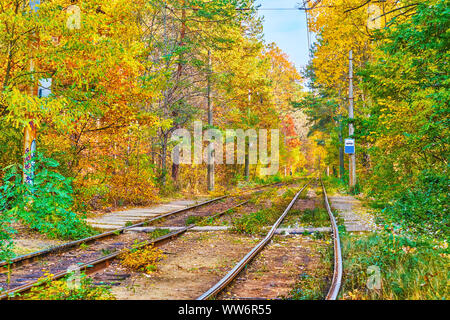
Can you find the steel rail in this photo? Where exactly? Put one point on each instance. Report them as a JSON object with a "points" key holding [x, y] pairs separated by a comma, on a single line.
{"points": [[63, 247], [217, 214], [229, 277], [91, 266], [27, 258], [101, 263], [337, 273]]}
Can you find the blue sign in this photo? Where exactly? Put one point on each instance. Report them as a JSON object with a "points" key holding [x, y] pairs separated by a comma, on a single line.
{"points": [[349, 147], [44, 88]]}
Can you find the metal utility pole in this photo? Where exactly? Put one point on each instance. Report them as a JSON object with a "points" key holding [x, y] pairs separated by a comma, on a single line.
{"points": [[341, 139], [351, 130], [210, 123]]}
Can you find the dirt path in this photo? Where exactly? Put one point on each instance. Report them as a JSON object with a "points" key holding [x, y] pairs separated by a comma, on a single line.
{"points": [[193, 264], [275, 271], [27, 241], [356, 218]]}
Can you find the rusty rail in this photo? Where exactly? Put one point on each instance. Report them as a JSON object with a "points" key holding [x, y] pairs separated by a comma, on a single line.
{"points": [[223, 283], [337, 274], [91, 266], [27, 258], [101, 263], [63, 247]]}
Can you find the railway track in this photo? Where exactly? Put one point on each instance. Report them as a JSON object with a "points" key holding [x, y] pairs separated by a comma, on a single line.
{"points": [[27, 258], [98, 256], [337, 272], [232, 275]]}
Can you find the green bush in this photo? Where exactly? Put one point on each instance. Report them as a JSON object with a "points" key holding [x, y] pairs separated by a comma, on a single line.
{"points": [[193, 220], [335, 185], [158, 233], [6, 243], [314, 284], [424, 207], [6, 231], [268, 179], [44, 205]]}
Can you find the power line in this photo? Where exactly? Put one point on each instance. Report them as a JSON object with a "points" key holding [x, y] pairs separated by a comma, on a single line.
{"points": [[307, 29], [257, 9], [271, 9], [278, 9]]}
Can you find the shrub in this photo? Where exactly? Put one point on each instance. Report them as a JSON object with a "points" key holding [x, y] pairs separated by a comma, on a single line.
{"points": [[424, 207], [6, 243], [143, 259], [44, 205], [251, 223], [158, 233]]}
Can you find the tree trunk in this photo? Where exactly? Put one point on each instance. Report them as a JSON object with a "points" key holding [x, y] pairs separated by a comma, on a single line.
{"points": [[175, 164], [163, 158], [175, 171], [247, 165]]}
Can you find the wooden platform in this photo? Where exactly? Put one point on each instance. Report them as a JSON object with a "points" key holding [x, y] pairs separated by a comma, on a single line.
{"points": [[117, 219]]}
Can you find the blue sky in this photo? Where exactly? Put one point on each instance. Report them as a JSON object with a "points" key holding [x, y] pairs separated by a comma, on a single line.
{"points": [[287, 28]]}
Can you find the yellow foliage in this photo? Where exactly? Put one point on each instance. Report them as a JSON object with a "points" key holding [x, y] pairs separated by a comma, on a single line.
{"points": [[144, 259], [47, 289]]}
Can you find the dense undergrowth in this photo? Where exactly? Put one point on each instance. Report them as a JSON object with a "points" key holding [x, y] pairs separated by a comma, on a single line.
{"points": [[421, 209], [401, 126], [46, 205], [407, 269], [409, 251]]}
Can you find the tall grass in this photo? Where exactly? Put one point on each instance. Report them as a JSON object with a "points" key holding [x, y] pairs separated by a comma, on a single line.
{"points": [[314, 284], [410, 270], [253, 222]]}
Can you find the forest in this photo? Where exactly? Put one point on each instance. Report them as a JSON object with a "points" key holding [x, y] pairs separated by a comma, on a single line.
{"points": [[93, 93]]}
